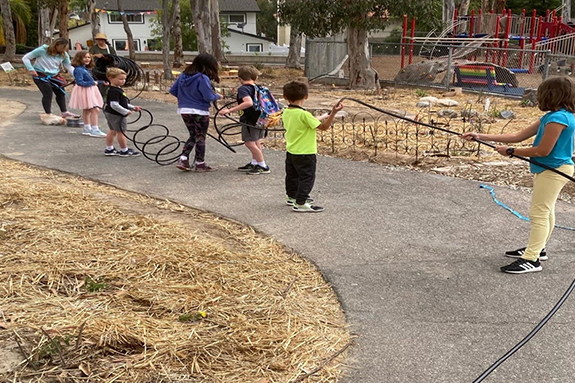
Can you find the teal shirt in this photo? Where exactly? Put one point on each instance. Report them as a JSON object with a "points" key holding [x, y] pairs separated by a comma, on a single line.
{"points": [[46, 63], [563, 149]]}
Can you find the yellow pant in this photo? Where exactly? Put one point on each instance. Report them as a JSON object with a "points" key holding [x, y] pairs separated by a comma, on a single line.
{"points": [[546, 188]]}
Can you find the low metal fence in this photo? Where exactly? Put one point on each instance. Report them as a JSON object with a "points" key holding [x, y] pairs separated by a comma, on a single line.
{"points": [[376, 137]]}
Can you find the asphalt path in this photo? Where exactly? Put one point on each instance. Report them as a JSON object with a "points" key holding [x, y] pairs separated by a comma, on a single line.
{"points": [[413, 257]]}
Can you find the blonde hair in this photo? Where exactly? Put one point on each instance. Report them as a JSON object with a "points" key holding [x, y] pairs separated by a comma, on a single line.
{"points": [[53, 47], [114, 72], [247, 73]]}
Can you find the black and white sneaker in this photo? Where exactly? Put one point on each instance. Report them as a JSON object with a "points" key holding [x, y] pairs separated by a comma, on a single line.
{"points": [[522, 266], [519, 252], [306, 208], [247, 167], [291, 201]]}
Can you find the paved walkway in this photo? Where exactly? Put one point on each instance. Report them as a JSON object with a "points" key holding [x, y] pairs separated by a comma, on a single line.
{"points": [[413, 257]]}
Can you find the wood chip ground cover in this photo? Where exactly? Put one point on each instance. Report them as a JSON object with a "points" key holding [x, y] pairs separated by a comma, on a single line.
{"points": [[102, 285]]}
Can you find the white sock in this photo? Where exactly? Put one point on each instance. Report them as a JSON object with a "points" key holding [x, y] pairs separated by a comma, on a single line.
{"points": [[254, 162], [262, 164], [87, 127], [200, 163], [109, 147], [95, 127], [183, 158], [123, 149]]}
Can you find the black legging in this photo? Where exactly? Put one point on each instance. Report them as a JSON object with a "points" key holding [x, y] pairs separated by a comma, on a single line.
{"points": [[47, 89]]}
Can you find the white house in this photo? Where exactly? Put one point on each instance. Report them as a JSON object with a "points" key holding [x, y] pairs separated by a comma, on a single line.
{"points": [[238, 15]]}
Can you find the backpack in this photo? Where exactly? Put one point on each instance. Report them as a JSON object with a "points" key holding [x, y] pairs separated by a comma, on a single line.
{"points": [[266, 104]]}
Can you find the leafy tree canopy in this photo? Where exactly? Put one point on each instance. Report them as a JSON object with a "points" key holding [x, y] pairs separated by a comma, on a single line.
{"points": [[318, 18], [541, 6]]}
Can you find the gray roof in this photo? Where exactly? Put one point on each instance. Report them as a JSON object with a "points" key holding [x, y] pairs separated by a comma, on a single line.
{"points": [[150, 5], [129, 5], [239, 6]]}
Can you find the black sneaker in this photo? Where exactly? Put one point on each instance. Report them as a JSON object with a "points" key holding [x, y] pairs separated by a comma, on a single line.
{"points": [[307, 208], [129, 153], [259, 170], [291, 201], [246, 168], [111, 152], [519, 252], [522, 266]]}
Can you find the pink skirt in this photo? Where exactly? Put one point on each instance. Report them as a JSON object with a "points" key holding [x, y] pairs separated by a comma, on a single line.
{"points": [[85, 97]]}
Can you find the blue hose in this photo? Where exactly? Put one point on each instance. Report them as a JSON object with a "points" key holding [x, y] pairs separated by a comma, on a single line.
{"points": [[518, 215]]}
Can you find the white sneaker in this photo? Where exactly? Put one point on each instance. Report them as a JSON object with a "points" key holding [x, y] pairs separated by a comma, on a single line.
{"points": [[87, 131], [97, 133]]}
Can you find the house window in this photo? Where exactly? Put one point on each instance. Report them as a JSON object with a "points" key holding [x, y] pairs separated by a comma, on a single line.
{"points": [[254, 47], [233, 19], [122, 45], [133, 18]]}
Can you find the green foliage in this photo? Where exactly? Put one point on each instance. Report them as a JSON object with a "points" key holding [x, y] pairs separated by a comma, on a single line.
{"points": [[540, 5], [266, 20], [94, 286], [22, 49], [318, 18], [420, 93], [53, 347]]}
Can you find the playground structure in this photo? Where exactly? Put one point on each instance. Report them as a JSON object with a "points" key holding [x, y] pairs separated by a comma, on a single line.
{"points": [[487, 38]]}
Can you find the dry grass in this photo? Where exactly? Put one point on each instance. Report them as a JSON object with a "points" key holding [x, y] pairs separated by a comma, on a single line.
{"points": [[102, 285]]}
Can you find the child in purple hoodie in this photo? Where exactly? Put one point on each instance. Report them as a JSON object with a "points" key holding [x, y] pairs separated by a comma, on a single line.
{"points": [[195, 93]]}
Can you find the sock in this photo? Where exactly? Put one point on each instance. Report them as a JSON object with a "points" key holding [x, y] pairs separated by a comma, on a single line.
{"points": [[87, 127], [109, 147], [262, 164], [254, 162], [95, 127], [183, 158], [123, 149], [200, 163]]}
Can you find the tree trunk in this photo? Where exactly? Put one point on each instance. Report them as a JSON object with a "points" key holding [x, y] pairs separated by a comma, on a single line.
{"points": [[9, 36], [177, 32], [294, 53], [448, 8], [201, 16], [63, 11], [129, 35], [217, 49], [94, 18], [166, 26], [361, 74], [43, 25]]}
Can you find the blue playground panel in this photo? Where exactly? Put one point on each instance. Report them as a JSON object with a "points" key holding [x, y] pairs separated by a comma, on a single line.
{"points": [[519, 70]]}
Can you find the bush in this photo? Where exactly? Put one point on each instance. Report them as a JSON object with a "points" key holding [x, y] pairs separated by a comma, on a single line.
{"points": [[22, 49]]}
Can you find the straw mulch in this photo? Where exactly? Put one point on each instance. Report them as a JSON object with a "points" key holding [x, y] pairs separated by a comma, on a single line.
{"points": [[102, 285]]}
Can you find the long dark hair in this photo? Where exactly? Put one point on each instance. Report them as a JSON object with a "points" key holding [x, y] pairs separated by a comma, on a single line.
{"points": [[206, 64]]}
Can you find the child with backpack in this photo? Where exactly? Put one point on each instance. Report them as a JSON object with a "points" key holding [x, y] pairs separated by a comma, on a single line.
{"points": [[252, 131]]}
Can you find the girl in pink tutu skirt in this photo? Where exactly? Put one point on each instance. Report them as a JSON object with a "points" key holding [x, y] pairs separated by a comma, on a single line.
{"points": [[86, 95]]}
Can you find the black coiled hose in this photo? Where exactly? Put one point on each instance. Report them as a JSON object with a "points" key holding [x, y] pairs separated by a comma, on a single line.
{"points": [[134, 73]]}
